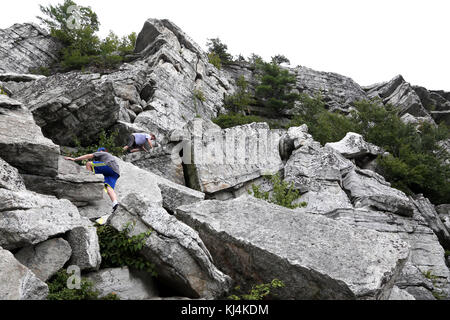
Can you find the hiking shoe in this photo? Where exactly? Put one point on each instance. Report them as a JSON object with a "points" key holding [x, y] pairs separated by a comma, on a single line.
{"points": [[102, 220], [115, 207]]}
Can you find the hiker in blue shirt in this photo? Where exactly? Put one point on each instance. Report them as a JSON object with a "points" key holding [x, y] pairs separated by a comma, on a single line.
{"points": [[136, 142], [104, 163]]}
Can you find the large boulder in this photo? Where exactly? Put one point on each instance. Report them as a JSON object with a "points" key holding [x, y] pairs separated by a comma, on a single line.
{"points": [[182, 84], [22, 144], [179, 255], [425, 270], [29, 218], [125, 283], [225, 158], [25, 47], [73, 182], [369, 189], [294, 138], [317, 258], [46, 258], [354, 146], [17, 282], [317, 173]]}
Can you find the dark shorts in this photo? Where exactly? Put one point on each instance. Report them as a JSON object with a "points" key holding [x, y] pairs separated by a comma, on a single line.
{"points": [[109, 174], [131, 142]]}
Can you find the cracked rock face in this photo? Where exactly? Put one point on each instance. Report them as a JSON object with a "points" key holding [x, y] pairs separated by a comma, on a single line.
{"points": [[25, 47], [319, 258], [225, 158], [181, 259], [22, 143], [73, 182], [353, 146], [368, 189], [401, 94]]}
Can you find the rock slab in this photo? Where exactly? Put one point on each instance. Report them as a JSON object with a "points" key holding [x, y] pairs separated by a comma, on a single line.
{"points": [[317, 258]]}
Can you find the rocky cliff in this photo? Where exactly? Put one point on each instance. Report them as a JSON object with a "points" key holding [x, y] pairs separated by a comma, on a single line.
{"points": [[357, 237]]}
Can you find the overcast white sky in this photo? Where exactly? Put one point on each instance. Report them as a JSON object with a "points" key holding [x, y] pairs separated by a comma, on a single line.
{"points": [[369, 41]]}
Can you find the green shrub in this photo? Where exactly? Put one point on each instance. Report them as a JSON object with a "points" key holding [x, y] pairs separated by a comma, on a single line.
{"points": [[219, 49], [323, 125], [58, 289], [199, 95], [119, 249], [283, 193], [258, 292], [235, 119], [279, 59], [41, 71], [241, 99], [104, 140], [214, 59]]}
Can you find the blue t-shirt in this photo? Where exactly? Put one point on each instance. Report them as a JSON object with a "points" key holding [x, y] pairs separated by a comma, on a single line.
{"points": [[140, 138]]}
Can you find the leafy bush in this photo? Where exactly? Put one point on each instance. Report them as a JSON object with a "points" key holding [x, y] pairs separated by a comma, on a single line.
{"points": [[198, 94], [106, 141], [235, 119], [323, 125], [214, 59], [279, 59], [283, 193], [58, 289], [219, 49], [258, 292], [118, 249], [414, 166], [241, 99]]}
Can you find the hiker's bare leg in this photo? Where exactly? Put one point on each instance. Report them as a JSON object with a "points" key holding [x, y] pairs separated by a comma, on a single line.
{"points": [[136, 150], [111, 193]]}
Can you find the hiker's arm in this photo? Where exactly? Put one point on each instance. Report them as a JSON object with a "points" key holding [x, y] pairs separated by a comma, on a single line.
{"points": [[85, 157], [150, 143]]}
